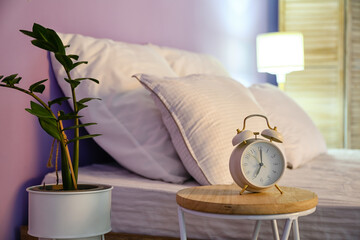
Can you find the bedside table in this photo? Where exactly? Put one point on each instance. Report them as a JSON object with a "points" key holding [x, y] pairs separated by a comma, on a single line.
{"points": [[225, 201]]}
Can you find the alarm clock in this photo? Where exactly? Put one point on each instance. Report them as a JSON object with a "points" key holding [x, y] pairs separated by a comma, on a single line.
{"points": [[257, 164]]}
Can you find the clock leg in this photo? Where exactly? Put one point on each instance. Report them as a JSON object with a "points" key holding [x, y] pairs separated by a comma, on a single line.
{"points": [[278, 188], [243, 190]]}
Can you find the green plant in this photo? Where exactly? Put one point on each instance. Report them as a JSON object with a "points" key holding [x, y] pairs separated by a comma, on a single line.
{"points": [[50, 121]]}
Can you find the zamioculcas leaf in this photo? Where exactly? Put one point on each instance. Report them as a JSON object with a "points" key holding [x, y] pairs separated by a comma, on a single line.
{"points": [[50, 126], [58, 100], [64, 60], [91, 79], [79, 126], [39, 111], [75, 57], [11, 80], [40, 31], [94, 80], [38, 86], [78, 63], [84, 100], [30, 34], [67, 116], [54, 38], [44, 45], [84, 137], [74, 83], [80, 106]]}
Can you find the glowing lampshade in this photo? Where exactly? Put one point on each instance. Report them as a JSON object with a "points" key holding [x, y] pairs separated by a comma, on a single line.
{"points": [[280, 53]]}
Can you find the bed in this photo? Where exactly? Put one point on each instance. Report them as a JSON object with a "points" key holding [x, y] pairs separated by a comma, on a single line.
{"points": [[148, 207], [167, 117]]}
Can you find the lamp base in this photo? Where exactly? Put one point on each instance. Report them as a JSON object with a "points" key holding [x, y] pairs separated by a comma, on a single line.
{"points": [[281, 86], [280, 78]]}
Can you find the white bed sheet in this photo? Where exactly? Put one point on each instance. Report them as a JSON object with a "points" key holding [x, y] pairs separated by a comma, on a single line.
{"points": [[143, 206]]}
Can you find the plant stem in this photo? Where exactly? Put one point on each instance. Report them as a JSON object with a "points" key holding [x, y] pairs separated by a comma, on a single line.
{"points": [[76, 130], [65, 148], [31, 94]]}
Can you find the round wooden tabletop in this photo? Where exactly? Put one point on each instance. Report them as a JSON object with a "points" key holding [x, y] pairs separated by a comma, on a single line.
{"points": [[226, 199]]}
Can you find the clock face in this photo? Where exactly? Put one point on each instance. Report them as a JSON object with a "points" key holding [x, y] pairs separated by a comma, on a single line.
{"points": [[262, 163]]}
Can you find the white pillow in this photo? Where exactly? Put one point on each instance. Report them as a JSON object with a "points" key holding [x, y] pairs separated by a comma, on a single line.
{"points": [[186, 63], [130, 124], [302, 140], [202, 113]]}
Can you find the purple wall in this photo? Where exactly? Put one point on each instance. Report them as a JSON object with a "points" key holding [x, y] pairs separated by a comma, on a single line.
{"points": [[225, 29]]}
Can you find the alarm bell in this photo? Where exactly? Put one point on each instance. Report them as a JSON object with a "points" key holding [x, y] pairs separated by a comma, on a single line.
{"points": [[242, 136], [272, 135]]}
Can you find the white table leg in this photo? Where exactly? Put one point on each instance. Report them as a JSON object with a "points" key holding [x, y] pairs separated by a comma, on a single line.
{"points": [[256, 230], [275, 229], [296, 229], [290, 218], [182, 224], [287, 229]]}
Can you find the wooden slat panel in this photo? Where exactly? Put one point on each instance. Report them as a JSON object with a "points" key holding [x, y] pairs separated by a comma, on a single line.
{"points": [[321, 24], [316, 91], [319, 89], [353, 74]]}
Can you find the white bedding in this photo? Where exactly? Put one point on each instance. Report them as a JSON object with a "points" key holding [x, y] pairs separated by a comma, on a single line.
{"points": [[144, 206]]}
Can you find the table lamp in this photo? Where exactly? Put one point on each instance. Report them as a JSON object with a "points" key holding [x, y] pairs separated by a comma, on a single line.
{"points": [[280, 53]]}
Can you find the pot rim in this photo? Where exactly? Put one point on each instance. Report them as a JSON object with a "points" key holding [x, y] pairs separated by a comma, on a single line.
{"points": [[84, 188]]}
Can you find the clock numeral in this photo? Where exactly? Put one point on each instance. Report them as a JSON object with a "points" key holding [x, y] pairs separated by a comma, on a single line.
{"points": [[245, 164], [267, 150], [273, 156], [261, 180], [260, 148], [274, 171], [252, 151], [247, 156], [275, 164], [247, 172]]}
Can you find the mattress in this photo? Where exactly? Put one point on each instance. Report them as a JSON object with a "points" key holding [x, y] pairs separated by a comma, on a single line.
{"points": [[143, 206]]}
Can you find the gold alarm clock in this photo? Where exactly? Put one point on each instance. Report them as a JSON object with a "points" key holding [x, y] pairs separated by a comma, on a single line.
{"points": [[257, 164]]}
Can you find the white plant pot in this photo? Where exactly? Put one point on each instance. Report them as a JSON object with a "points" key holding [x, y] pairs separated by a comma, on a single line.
{"points": [[80, 214]]}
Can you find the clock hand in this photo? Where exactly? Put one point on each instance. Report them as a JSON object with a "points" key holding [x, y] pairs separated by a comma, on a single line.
{"points": [[261, 159], [257, 172], [261, 164]]}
